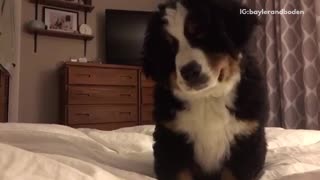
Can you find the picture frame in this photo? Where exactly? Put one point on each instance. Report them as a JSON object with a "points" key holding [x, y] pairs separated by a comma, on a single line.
{"points": [[86, 2], [71, 1], [60, 20]]}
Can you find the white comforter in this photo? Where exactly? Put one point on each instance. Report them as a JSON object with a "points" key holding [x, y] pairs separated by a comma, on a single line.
{"points": [[40, 152]]}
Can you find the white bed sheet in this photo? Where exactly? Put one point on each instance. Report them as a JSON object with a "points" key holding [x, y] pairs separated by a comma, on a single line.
{"points": [[41, 152]]}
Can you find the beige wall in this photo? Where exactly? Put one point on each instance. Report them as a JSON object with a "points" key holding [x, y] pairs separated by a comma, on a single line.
{"points": [[38, 100]]}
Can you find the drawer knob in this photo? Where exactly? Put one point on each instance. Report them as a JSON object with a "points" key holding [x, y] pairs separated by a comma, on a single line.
{"points": [[125, 95], [85, 75], [125, 113], [83, 94], [83, 114], [127, 77]]}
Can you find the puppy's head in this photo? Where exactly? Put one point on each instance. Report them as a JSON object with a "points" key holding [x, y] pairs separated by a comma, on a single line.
{"points": [[194, 47]]}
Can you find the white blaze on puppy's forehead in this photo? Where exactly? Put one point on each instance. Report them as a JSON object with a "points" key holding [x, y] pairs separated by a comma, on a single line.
{"points": [[176, 20]]}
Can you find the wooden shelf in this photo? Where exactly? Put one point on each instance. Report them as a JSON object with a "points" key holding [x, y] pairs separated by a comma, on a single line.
{"points": [[62, 34], [64, 4]]}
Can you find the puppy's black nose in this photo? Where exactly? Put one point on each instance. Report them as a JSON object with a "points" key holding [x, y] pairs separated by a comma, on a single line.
{"points": [[191, 72]]}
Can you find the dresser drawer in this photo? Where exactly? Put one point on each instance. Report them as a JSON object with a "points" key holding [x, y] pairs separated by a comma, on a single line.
{"points": [[147, 95], [91, 114], [146, 82], [147, 114], [102, 95], [102, 76]]}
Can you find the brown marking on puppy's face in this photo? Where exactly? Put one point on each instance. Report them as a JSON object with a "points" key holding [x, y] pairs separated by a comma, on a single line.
{"points": [[184, 175], [170, 125], [173, 80], [225, 65], [247, 127]]}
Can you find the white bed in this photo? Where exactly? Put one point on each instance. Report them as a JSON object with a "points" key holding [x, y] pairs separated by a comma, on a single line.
{"points": [[40, 152]]}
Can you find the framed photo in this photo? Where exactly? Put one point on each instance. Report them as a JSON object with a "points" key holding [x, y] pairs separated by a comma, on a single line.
{"points": [[72, 1], [86, 2], [60, 20]]}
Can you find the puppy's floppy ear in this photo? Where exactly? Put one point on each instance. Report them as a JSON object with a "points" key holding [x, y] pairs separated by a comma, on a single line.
{"points": [[158, 52], [240, 27]]}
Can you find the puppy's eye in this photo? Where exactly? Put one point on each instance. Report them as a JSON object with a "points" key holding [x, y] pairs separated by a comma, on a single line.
{"points": [[195, 30], [170, 39], [173, 42]]}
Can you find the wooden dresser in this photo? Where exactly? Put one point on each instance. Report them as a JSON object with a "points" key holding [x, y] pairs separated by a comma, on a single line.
{"points": [[106, 97]]}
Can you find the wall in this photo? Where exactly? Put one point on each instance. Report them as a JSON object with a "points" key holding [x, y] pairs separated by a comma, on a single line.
{"points": [[38, 95]]}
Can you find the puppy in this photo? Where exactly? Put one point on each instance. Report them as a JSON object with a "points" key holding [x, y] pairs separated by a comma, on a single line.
{"points": [[210, 97]]}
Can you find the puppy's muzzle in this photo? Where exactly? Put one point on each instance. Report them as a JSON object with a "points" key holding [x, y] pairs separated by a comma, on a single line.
{"points": [[193, 76]]}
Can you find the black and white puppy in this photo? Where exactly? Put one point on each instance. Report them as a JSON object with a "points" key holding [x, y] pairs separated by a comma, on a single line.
{"points": [[210, 97]]}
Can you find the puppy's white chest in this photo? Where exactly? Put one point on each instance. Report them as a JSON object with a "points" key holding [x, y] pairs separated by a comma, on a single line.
{"points": [[210, 128]]}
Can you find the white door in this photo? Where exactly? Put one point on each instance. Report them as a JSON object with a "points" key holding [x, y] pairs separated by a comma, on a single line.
{"points": [[7, 33]]}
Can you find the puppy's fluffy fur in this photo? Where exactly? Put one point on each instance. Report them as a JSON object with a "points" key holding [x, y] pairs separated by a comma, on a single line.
{"points": [[210, 97]]}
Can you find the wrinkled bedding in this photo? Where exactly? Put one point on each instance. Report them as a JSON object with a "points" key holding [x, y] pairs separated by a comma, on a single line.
{"points": [[40, 152]]}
